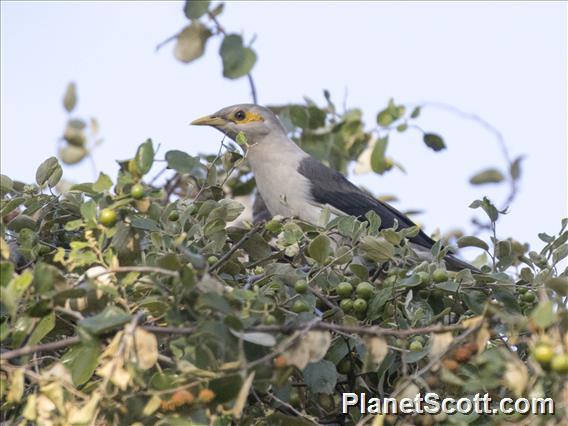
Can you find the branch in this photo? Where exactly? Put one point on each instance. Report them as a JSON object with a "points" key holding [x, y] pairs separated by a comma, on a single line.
{"points": [[235, 247], [300, 328], [30, 349]]}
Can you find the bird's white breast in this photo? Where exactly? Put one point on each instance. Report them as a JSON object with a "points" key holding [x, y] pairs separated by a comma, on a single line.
{"points": [[284, 190]]}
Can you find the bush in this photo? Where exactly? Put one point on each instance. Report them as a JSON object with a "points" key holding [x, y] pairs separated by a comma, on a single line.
{"points": [[138, 301]]}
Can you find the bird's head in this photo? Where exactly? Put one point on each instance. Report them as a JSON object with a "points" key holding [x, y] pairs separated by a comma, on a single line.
{"points": [[254, 121]]}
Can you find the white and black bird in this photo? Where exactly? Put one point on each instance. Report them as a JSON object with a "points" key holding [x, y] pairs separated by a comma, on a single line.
{"points": [[294, 184]]}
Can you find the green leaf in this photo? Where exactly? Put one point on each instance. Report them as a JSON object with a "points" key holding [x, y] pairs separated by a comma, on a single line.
{"points": [[110, 318], [258, 338], [195, 9], [379, 163], [559, 285], [181, 161], [515, 169], [71, 154], [85, 364], [488, 207], [321, 376], [46, 277], [299, 116], [487, 176], [471, 241], [145, 157], [70, 97], [434, 141], [49, 172], [89, 211], [237, 59], [320, 248], [42, 329], [103, 183], [6, 184], [385, 118], [226, 388], [377, 248], [415, 112], [190, 43], [543, 315]]}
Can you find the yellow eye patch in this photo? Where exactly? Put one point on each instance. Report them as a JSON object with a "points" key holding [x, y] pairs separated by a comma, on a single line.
{"points": [[241, 117]]}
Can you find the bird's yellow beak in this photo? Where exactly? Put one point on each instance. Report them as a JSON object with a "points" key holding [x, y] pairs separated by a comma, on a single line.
{"points": [[209, 120]]}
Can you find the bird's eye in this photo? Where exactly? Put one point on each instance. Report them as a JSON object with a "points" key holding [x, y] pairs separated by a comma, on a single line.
{"points": [[240, 115]]}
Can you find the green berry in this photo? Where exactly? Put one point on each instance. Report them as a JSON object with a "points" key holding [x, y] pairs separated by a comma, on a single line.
{"points": [[300, 306], [137, 191], [269, 319], [416, 346], [424, 277], [344, 289], [440, 275], [560, 364], [173, 216], [543, 353], [211, 260], [364, 290], [344, 366], [528, 297], [107, 217], [360, 305], [301, 286], [346, 305]]}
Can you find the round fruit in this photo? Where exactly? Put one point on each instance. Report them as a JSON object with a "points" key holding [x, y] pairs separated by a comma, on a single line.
{"points": [[360, 305], [301, 286], [346, 305], [300, 306], [560, 363], [107, 217], [344, 366], [269, 319], [522, 290], [543, 353], [424, 277], [211, 260], [174, 215], [420, 339], [528, 297], [440, 275], [295, 399], [416, 346], [344, 289], [206, 395], [364, 290], [280, 361], [137, 191], [400, 343]]}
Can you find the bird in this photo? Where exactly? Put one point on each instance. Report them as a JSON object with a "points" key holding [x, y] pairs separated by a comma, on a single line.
{"points": [[294, 184]]}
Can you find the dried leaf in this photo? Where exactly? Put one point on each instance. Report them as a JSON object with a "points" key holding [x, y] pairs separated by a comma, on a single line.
{"points": [[146, 349]]}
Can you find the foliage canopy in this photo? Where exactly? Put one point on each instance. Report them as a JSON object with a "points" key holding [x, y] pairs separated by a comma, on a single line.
{"points": [[132, 300]]}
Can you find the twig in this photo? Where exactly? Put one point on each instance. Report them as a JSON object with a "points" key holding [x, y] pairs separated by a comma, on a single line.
{"points": [[235, 247], [292, 409], [135, 269], [301, 328], [51, 346]]}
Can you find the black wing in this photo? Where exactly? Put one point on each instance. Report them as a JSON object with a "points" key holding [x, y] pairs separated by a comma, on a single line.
{"points": [[331, 187]]}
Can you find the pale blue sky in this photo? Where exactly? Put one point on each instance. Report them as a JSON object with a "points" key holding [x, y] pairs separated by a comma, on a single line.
{"points": [[504, 61]]}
